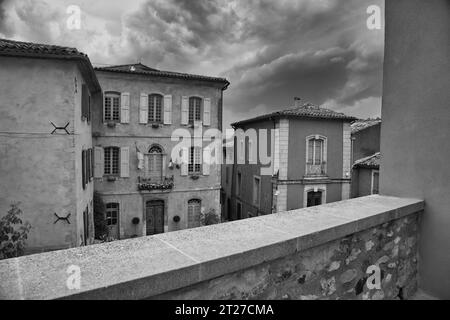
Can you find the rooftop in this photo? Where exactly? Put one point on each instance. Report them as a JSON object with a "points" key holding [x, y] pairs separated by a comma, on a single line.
{"points": [[370, 162], [15, 48], [307, 110], [139, 68], [363, 124]]}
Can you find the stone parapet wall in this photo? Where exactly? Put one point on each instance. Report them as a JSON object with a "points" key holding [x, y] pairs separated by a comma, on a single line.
{"points": [[322, 252], [339, 269]]}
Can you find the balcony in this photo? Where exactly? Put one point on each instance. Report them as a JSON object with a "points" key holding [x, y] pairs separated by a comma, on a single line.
{"points": [[322, 252], [147, 184], [316, 170]]}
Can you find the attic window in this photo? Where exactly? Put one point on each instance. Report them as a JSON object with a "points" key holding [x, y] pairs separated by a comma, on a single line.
{"points": [[132, 68]]}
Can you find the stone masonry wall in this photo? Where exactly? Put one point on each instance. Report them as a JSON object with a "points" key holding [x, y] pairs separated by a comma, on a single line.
{"points": [[334, 270]]}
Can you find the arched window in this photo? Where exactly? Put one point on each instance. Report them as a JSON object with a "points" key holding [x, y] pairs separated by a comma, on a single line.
{"points": [[195, 104], [112, 107], [155, 102], [155, 163], [316, 155], [194, 209]]}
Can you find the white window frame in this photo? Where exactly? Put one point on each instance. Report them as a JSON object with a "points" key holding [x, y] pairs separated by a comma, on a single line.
{"points": [[111, 161], [257, 202], [196, 160], [200, 111], [111, 93], [324, 150], [372, 175], [153, 94]]}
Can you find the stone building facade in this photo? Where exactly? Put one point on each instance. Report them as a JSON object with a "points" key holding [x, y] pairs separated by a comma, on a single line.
{"points": [[309, 162], [146, 190], [46, 142]]}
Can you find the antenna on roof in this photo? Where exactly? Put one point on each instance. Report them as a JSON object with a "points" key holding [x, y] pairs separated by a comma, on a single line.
{"points": [[297, 101]]}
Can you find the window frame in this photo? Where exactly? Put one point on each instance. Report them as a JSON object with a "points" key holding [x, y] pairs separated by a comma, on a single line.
{"points": [[152, 98], [111, 165], [111, 95], [195, 160], [151, 154], [194, 109], [112, 210], [257, 193], [194, 203], [372, 180], [323, 151]]}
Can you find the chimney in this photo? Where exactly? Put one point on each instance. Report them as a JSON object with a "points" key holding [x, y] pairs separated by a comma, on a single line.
{"points": [[297, 102]]}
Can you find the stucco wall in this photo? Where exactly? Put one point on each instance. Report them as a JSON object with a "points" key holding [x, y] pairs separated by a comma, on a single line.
{"points": [[37, 168], [361, 182], [300, 129], [249, 171], [366, 142], [415, 129]]}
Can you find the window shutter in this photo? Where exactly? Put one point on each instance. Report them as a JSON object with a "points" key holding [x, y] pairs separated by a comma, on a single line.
{"points": [[184, 110], [83, 169], [143, 108], [98, 162], [207, 111], [125, 107], [84, 102], [206, 161], [103, 100], [168, 109], [124, 162], [184, 161]]}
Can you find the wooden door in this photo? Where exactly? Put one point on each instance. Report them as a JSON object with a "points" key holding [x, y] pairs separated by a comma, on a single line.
{"points": [[155, 217], [314, 198]]}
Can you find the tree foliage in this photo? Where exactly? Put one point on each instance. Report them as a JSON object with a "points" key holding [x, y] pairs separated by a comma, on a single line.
{"points": [[13, 233]]}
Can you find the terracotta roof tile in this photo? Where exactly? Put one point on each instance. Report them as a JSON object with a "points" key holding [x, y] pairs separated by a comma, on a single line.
{"points": [[11, 47], [360, 125], [307, 110], [370, 162], [139, 68]]}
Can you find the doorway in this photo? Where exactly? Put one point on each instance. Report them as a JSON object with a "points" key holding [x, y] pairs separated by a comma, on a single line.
{"points": [[314, 198], [154, 215]]}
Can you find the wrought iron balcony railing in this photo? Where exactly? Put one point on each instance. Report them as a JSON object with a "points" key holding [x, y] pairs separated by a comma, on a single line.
{"points": [[316, 169], [147, 183]]}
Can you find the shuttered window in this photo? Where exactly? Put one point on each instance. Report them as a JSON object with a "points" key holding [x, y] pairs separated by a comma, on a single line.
{"points": [[195, 104], [315, 151], [195, 160], [155, 164], [83, 168], [85, 103], [112, 107], [111, 156], [194, 209], [155, 102]]}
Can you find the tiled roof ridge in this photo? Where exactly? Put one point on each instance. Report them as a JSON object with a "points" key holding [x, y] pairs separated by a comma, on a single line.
{"points": [[162, 73], [307, 110], [369, 161], [23, 46]]}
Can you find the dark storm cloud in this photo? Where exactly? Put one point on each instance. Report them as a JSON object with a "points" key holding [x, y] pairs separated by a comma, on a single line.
{"points": [[271, 51], [5, 28]]}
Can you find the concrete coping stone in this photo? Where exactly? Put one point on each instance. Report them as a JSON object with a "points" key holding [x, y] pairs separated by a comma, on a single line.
{"points": [[143, 267]]}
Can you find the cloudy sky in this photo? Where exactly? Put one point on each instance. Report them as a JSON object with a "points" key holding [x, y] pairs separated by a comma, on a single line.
{"points": [[270, 50]]}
